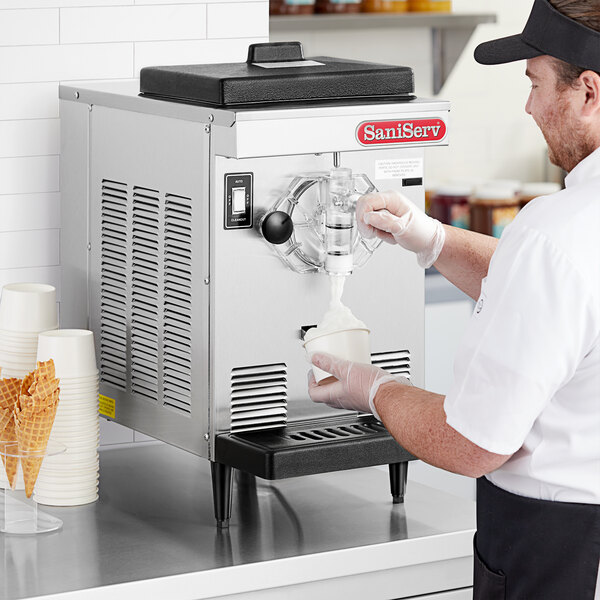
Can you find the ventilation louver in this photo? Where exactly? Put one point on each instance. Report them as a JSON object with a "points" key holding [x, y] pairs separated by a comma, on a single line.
{"points": [[258, 397], [177, 337], [146, 294], [396, 363], [113, 293]]}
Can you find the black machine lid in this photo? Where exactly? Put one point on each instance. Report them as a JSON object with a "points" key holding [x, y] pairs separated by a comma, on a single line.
{"points": [[278, 73]]}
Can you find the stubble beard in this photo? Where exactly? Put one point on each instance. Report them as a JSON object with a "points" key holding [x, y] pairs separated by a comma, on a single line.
{"points": [[569, 143]]}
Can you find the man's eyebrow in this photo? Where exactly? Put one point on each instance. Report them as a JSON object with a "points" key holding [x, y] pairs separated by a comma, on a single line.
{"points": [[529, 74]]}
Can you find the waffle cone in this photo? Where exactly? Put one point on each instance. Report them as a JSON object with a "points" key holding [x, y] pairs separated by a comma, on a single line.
{"points": [[9, 394], [11, 463], [34, 417], [45, 370], [33, 431], [45, 392], [27, 382]]}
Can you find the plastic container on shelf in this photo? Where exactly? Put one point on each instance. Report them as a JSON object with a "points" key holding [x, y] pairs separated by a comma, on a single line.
{"points": [[493, 207], [450, 204], [385, 6], [338, 6], [529, 191], [442, 6], [291, 7], [514, 184]]}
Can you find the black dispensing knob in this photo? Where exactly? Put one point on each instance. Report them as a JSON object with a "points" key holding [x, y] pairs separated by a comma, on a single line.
{"points": [[277, 227]]}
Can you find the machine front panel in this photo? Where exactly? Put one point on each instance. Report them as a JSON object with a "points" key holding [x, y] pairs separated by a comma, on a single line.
{"points": [[259, 305]]}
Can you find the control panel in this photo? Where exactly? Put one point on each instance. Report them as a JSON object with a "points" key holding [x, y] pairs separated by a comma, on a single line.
{"points": [[238, 200]]}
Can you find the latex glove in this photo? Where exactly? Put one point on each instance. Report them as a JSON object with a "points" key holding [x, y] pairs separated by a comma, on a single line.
{"points": [[355, 386], [396, 220]]}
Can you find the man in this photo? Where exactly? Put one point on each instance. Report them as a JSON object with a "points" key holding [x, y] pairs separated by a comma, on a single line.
{"points": [[523, 415]]}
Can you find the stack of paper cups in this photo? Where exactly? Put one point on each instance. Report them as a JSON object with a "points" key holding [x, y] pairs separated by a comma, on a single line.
{"points": [[71, 478], [25, 310]]}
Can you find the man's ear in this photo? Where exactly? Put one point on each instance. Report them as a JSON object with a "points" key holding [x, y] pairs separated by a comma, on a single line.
{"points": [[590, 86]]}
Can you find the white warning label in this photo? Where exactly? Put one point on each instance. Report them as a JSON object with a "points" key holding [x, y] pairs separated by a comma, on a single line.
{"points": [[398, 168]]}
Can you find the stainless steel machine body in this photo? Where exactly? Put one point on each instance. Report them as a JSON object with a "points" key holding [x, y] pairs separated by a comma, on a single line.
{"points": [[197, 321]]}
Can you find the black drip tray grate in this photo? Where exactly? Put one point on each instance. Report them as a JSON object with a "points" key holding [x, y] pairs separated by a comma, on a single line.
{"points": [[311, 447]]}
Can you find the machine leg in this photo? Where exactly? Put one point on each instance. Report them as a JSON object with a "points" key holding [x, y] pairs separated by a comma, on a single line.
{"points": [[398, 476], [221, 484]]}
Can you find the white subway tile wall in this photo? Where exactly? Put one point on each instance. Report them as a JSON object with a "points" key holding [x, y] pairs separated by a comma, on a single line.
{"points": [[142, 23], [44, 42]]}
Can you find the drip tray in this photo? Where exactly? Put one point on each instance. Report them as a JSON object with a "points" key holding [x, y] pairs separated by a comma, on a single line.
{"points": [[310, 447]]}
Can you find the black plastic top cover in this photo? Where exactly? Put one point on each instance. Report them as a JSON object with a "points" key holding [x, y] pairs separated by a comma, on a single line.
{"points": [[276, 73]]}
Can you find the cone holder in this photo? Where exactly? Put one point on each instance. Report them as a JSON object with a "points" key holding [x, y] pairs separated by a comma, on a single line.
{"points": [[20, 515]]}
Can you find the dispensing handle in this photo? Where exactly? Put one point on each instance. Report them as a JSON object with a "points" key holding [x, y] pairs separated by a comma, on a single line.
{"points": [[277, 227], [275, 52]]}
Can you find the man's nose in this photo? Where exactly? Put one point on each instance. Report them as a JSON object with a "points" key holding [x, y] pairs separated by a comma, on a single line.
{"points": [[528, 105]]}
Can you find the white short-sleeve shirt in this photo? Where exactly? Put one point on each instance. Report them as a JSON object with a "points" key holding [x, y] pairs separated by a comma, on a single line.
{"points": [[527, 376]]}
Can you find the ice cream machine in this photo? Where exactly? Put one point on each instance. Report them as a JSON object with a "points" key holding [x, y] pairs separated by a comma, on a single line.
{"points": [[200, 219]]}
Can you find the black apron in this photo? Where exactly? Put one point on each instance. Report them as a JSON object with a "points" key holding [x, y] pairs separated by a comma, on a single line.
{"points": [[529, 549]]}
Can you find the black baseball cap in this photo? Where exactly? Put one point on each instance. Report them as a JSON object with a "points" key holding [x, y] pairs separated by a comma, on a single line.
{"points": [[547, 32]]}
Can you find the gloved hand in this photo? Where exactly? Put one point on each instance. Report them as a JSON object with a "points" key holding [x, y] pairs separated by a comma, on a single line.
{"points": [[355, 386], [396, 220]]}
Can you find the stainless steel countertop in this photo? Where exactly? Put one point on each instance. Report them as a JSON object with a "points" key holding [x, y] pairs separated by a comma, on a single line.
{"points": [[152, 535]]}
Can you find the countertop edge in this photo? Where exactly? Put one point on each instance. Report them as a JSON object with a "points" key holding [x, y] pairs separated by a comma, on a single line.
{"points": [[291, 571]]}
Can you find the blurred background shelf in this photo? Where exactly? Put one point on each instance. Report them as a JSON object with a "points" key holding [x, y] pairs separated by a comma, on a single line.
{"points": [[449, 32]]}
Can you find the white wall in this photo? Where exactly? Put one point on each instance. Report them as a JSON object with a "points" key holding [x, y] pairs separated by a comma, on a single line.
{"points": [[43, 42]]}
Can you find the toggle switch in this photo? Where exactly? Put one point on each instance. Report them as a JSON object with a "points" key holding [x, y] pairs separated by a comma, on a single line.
{"points": [[238, 200]]}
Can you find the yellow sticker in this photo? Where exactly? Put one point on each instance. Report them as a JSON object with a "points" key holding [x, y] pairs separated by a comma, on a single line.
{"points": [[107, 407]]}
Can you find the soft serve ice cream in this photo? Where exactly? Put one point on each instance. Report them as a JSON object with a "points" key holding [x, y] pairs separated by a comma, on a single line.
{"points": [[338, 316], [339, 333]]}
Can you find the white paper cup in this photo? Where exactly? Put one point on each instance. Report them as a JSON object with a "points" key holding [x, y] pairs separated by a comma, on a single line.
{"points": [[18, 361], [28, 307], [349, 344], [69, 464], [14, 347], [70, 386], [88, 410], [12, 374], [83, 379], [64, 483], [78, 400], [76, 473], [91, 390], [19, 336], [7, 355], [69, 500], [52, 486], [16, 368], [84, 416], [83, 476], [76, 428], [65, 437], [72, 350], [81, 445], [71, 405]]}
